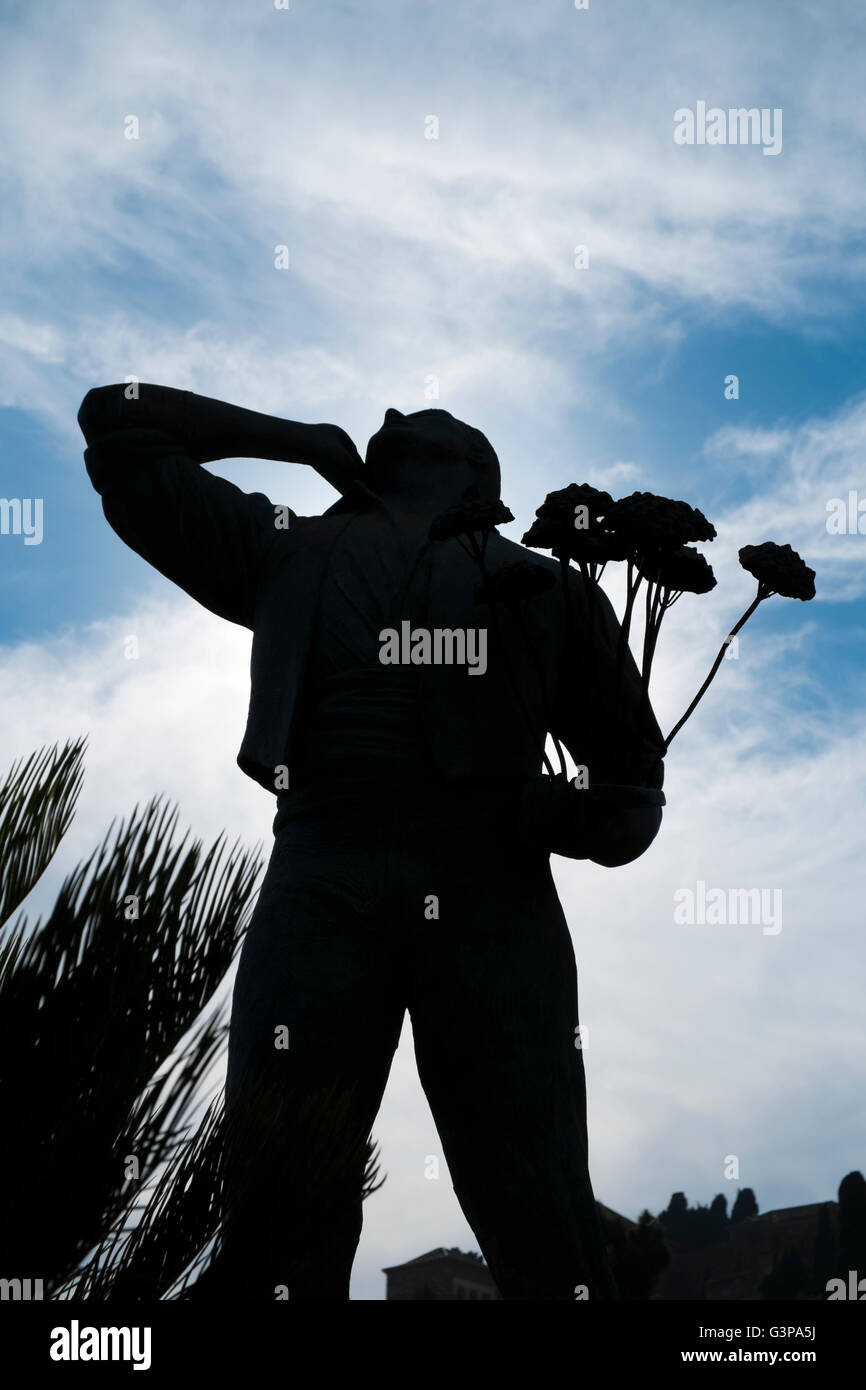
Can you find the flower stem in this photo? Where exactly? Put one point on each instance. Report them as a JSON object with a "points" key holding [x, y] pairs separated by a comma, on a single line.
{"points": [[632, 586], [656, 605], [631, 594], [714, 668]]}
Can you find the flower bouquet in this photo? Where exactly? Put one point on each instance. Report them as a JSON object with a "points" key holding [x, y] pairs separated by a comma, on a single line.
{"points": [[614, 819]]}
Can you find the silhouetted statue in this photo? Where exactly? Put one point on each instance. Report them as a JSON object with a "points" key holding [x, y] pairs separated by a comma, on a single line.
{"points": [[403, 874]]}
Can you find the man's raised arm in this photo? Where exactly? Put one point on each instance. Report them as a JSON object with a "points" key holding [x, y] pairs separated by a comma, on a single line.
{"points": [[208, 429], [199, 530]]}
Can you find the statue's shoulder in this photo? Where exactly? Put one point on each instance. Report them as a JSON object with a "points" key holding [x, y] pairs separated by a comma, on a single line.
{"points": [[300, 534], [324, 523], [501, 551], [508, 552], [505, 550]]}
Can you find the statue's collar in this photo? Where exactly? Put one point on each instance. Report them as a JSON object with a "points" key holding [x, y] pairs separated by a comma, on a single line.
{"points": [[357, 497]]}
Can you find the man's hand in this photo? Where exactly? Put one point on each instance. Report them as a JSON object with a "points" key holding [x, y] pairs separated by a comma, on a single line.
{"points": [[333, 455], [618, 837]]}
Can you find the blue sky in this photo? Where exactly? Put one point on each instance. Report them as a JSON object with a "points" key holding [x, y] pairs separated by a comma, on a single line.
{"points": [[453, 258]]}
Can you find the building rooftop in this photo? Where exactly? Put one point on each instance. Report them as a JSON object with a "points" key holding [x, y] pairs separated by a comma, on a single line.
{"points": [[440, 1253]]}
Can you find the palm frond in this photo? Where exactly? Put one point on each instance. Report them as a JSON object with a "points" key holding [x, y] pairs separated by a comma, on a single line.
{"points": [[96, 999], [37, 803], [110, 1028], [181, 1215], [163, 1255]]}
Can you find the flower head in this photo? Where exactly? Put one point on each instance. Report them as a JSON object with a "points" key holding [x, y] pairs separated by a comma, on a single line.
{"points": [[649, 524], [779, 569], [685, 571], [515, 582], [596, 547], [544, 534], [562, 504], [468, 517], [559, 528]]}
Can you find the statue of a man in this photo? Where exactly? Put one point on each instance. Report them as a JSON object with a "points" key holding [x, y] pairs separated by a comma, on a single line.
{"points": [[403, 875]]}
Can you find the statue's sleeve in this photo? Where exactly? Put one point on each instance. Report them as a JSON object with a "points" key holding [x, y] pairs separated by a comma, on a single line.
{"points": [[597, 714], [200, 531], [597, 717]]}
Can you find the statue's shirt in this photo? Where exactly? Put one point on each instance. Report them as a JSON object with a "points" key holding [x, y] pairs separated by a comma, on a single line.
{"points": [[360, 716], [316, 596]]}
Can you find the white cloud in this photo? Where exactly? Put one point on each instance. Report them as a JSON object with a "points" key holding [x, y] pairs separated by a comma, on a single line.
{"points": [[411, 256], [797, 472]]}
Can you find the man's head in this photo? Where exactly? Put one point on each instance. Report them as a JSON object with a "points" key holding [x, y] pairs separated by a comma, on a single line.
{"points": [[431, 449]]}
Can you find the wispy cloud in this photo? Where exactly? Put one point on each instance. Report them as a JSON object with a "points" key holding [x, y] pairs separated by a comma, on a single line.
{"points": [[448, 264]]}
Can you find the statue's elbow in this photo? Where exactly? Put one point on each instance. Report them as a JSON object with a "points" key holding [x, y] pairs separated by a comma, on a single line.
{"points": [[87, 413], [99, 411], [631, 837]]}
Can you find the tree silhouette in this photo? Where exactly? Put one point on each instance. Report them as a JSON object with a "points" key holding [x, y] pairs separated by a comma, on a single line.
{"points": [[638, 1253], [108, 1033], [825, 1255], [852, 1224], [745, 1205], [694, 1228], [675, 1219], [719, 1208]]}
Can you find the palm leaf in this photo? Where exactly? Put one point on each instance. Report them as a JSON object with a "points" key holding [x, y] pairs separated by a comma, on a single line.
{"points": [[109, 1031], [163, 1256], [96, 999], [37, 802]]}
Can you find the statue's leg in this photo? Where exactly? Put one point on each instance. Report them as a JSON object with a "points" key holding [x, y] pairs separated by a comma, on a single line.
{"points": [[493, 1001], [316, 1017]]}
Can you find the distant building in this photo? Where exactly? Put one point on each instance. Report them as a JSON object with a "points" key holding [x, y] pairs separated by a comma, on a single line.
{"points": [[440, 1274], [734, 1268], [451, 1273], [731, 1269]]}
